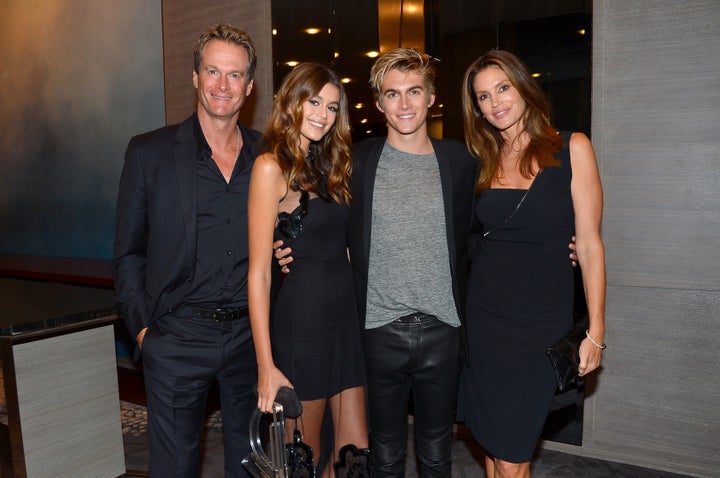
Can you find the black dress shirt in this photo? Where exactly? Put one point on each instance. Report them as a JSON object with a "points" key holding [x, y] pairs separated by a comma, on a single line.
{"points": [[221, 268]]}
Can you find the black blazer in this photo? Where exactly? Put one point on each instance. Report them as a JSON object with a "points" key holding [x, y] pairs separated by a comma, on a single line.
{"points": [[156, 221], [458, 172]]}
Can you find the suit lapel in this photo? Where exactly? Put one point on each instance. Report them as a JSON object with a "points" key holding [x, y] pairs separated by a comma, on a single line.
{"points": [[447, 181], [368, 185], [184, 162], [248, 142]]}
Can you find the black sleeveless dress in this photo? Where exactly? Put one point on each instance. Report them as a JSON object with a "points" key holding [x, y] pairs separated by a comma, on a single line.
{"points": [[314, 328], [520, 301]]}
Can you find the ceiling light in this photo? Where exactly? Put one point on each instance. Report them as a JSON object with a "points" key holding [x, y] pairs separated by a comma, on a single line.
{"points": [[345, 80], [359, 106], [312, 31], [581, 31], [536, 75], [372, 54], [292, 63]]}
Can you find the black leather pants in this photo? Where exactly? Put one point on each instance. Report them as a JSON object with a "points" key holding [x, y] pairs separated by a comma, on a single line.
{"points": [[421, 354]]}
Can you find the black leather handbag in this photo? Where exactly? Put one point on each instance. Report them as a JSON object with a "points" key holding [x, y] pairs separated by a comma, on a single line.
{"points": [[565, 354]]}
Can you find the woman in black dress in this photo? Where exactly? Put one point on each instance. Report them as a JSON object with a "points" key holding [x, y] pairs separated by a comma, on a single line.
{"points": [[537, 188], [300, 193]]}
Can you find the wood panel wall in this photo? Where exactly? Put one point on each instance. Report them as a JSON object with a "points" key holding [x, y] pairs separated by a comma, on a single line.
{"points": [[656, 130], [183, 21]]}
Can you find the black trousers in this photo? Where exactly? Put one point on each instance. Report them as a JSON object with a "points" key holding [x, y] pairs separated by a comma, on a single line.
{"points": [[417, 353], [182, 357]]}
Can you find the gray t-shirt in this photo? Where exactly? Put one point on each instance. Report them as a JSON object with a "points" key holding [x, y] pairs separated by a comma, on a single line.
{"points": [[409, 267]]}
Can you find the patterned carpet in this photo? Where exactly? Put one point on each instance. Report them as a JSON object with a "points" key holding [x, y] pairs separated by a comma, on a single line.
{"points": [[134, 425]]}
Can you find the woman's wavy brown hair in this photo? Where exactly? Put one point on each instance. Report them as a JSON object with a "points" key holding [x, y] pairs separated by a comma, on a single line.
{"points": [[328, 173], [484, 140]]}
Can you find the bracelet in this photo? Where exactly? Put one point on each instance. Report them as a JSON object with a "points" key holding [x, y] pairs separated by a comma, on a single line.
{"points": [[601, 347]]}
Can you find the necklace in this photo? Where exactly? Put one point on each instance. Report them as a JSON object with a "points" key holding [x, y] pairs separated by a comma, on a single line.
{"points": [[237, 146]]}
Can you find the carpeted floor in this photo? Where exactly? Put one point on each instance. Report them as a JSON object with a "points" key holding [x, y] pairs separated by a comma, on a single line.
{"points": [[467, 455]]}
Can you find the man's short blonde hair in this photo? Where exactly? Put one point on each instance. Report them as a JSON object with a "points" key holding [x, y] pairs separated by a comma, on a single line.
{"points": [[406, 60]]}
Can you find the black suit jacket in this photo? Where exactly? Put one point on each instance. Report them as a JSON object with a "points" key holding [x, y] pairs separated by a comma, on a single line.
{"points": [[458, 172], [156, 221]]}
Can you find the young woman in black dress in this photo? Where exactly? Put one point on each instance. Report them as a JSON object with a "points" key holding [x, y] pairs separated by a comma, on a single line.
{"points": [[300, 193]]}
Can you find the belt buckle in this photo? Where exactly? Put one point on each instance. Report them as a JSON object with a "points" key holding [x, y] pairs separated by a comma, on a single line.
{"points": [[221, 315]]}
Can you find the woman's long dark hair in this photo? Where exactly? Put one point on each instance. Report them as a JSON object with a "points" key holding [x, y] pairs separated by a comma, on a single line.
{"points": [[327, 170], [486, 142]]}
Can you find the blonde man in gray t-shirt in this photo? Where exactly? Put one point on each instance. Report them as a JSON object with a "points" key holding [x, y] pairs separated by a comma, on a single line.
{"points": [[408, 235]]}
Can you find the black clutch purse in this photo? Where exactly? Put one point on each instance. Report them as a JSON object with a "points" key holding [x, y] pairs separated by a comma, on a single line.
{"points": [[565, 354]]}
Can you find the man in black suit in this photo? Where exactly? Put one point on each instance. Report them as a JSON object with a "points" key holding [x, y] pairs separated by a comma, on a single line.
{"points": [[180, 261], [408, 239]]}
